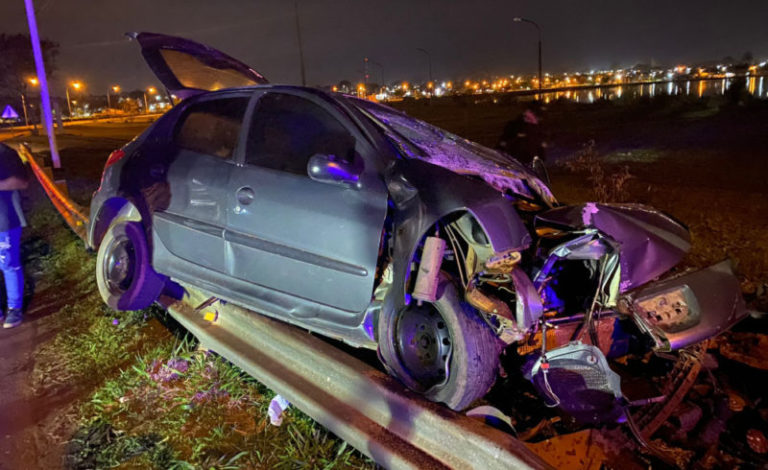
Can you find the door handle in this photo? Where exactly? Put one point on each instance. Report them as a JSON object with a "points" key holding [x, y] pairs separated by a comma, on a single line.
{"points": [[245, 195]]}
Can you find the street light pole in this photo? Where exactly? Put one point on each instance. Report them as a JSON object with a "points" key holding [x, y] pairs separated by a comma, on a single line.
{"points": [[116, 89], [69, 104], [76, 86], [429, 61], [24, 105], [34, 82], [538, 29], [149, 90]]}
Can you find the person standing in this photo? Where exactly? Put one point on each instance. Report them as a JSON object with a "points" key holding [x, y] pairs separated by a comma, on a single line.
{"points": [[522, 137], [14, 176]]}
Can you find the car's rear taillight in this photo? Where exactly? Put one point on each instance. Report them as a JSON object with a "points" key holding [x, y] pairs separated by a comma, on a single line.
{"points": [[114, 157]]}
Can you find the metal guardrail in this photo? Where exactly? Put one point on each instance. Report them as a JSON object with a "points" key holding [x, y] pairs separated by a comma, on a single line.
{"points": [[362, 405]]}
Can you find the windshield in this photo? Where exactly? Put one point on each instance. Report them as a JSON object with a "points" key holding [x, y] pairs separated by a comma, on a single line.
{"points": [[452, 152]]}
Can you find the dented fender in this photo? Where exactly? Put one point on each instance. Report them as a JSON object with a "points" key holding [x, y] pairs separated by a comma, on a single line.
{"points": [[419, 203], [417, 197], [650, 242]]}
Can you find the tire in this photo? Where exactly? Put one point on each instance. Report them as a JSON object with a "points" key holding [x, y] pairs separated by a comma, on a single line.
{"points": [[124, 271], [412, 346]]}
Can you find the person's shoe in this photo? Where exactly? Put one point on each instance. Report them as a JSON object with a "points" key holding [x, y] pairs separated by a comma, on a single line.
{"points": [[13, 318]]}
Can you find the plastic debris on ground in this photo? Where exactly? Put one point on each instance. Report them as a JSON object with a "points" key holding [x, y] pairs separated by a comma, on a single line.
{"points": [[276, 408]]}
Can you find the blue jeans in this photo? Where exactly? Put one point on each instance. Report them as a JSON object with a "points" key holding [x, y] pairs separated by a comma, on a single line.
{"points": [[10, 264]]}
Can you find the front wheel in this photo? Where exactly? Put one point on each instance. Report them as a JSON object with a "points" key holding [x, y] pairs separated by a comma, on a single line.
{"points": [[443, 350], [124, 272]]}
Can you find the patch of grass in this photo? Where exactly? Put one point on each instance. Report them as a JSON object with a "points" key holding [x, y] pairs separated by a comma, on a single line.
{"points": [[90, 338], [205, 413], [641, 156]]}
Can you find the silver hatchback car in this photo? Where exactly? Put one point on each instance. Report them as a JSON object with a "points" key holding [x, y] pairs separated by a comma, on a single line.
{"points": [[356, 221]]}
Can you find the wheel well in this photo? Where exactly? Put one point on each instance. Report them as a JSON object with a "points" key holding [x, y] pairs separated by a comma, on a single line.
{"points": [[472, 235], [112, 209]]}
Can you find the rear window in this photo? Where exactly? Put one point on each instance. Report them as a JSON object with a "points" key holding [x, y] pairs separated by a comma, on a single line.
{"points": [[212, 127], [192, 73]]}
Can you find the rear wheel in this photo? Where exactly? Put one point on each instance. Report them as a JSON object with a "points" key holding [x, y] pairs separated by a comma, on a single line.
{"points": [[124, 272], [443, 350]]}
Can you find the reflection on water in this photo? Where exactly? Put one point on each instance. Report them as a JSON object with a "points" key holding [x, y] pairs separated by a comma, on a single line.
{"points": [[699, 88]]}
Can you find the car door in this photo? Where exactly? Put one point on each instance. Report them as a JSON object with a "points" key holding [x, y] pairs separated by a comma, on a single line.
{"points": [[289, 234], [189, 219]]}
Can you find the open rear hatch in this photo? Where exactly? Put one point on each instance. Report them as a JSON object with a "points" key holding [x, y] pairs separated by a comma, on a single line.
{"points": [[188, 68]]}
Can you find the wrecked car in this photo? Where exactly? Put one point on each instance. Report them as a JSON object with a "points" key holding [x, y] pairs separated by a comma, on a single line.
{"points": [[358, 222]]}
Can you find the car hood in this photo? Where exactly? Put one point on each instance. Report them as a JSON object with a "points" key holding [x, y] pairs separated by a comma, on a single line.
{"points": [[187, 68], [417, 139]]}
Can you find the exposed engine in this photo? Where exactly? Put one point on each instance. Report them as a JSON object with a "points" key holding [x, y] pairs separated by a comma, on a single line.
{"points": [[556, 302]]}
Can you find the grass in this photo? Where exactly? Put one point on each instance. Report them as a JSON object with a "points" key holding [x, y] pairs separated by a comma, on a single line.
{"points": [[179, 407], [149, 399]]}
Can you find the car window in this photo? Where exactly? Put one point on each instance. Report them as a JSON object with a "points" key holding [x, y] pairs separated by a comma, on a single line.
{"points": [[287, 130], [212, 127], [192, 72]]}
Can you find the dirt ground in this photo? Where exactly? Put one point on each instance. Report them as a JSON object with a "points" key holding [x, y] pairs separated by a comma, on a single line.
{"points": [[703, 161]]}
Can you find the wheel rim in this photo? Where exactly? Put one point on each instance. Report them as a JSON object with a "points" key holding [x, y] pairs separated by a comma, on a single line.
{"points": [[424, 344], [120, 265]]}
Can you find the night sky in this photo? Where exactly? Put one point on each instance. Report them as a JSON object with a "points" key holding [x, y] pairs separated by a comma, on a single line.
{"points": [[465, 38]]}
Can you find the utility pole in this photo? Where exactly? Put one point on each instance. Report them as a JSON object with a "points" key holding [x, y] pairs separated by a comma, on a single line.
{"points": [[42, 78], [429, 61], [301, 47], [381, 74], [430, 83]]}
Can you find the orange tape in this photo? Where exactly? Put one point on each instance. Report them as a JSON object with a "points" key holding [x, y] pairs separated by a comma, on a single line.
{"points": [[72, 213]]}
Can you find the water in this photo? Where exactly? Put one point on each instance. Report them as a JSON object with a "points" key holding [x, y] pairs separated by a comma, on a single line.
{"points": [[757, 86]]}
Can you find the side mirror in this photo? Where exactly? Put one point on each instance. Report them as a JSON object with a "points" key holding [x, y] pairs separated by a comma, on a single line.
{"points": [[331, 169]]}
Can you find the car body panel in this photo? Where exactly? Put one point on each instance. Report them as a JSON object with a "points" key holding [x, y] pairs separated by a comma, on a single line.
{"points": [[650, 242], [690, 308], [188, 68]]}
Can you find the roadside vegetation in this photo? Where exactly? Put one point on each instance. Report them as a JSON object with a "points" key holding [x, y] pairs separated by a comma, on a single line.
{"points": [[144, 395]]}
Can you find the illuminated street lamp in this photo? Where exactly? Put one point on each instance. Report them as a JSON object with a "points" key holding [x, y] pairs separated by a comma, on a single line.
{"points": [[32, 81], [150, 90], [77, 86], [538, 29], [114, 88]]}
